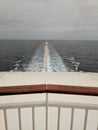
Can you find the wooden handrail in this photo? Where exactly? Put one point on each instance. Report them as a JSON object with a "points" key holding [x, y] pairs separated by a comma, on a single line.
{"points": [[9, 90], [50, 88], [78, 90]]}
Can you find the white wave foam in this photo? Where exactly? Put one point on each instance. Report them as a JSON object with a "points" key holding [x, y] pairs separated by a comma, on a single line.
{"points": [[74, 62], [55, 62], [37, 62]]}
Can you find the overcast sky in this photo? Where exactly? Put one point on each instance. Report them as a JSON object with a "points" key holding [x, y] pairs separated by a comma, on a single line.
{"points": [[49, 19]]}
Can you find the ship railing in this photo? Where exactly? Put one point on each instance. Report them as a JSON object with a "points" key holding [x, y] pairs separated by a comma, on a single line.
{"points": [[48, 107]]}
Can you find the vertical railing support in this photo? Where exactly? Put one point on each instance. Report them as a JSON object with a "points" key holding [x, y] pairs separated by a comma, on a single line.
{"points": [[58, 125], [46, 111], [5, 120], [19, 116], [33, 118], [97, 126], [85, 120], [72, 118]]}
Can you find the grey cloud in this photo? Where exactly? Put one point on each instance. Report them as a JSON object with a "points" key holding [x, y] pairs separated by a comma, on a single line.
{"points": [[49, 19]]}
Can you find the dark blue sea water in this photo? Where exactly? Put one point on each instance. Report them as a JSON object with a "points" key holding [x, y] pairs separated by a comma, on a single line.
{"points": [[28, 55]]}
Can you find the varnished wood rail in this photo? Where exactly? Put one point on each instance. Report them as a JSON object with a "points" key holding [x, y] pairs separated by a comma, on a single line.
{"points": [[49, 88]]}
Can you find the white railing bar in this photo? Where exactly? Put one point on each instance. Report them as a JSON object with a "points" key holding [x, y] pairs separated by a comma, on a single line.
{"points": [[72, 118], [85, 119], [33, 118], [46, 111], [5, 119], [97, 126], [51, 104], [58, 120], [19, 118], [22, 105], [73, 105]]}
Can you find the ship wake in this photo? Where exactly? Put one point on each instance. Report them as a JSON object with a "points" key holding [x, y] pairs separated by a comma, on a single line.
{"points": [[54, 61]]}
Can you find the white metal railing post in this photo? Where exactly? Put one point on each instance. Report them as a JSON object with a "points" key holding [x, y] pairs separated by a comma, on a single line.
{"points": [[58, 122], [19, 116], [97, 126], [72, 117], [85, 120], [33, 118], [5, 119], [46, 109]]}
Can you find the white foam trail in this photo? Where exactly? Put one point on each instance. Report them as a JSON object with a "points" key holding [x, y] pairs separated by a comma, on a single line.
{"points": [[37, 62], [55, 62], [74, 62]]}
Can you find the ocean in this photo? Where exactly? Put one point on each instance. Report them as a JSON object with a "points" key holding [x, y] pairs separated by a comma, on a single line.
{"points": [[63, 55]]}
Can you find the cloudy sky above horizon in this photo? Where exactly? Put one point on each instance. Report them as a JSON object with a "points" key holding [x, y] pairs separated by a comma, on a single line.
{"points": [[49, 19]]}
